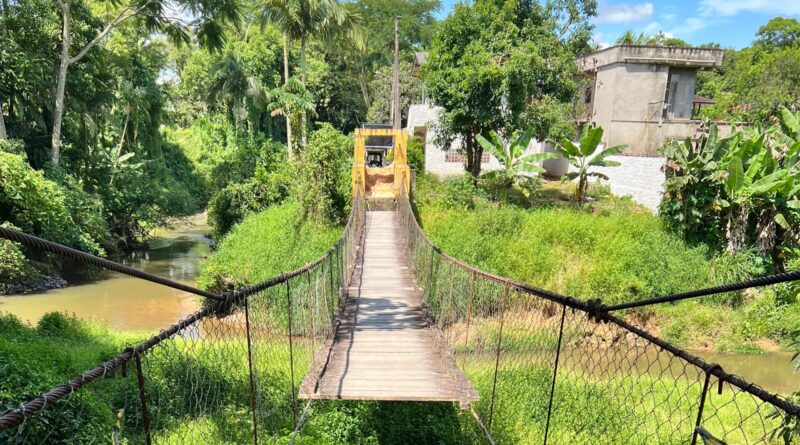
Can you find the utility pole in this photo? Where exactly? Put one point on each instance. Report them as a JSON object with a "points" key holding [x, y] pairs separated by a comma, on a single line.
{"points": [[395, 113]]}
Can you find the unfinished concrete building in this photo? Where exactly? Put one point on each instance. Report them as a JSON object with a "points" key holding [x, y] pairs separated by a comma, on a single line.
{"points": [[642, 95]]}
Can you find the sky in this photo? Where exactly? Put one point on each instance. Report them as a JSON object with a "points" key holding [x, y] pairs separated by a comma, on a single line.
{"points": [[731, 23]]}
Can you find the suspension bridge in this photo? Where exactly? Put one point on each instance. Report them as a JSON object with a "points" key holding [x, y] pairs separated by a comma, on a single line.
{"points": [[385, 315]]}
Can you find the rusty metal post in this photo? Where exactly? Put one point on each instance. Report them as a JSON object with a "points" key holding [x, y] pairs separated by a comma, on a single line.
{"points": [[142, 398], [291, 350], [311, 311], [701, 406], [555, 372], [497, 355], [469, 315], [250, 368]]}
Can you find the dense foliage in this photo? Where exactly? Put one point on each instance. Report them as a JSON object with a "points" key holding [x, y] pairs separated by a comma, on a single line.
{"points": [[503, 65], [754, 83], [743, 188]]}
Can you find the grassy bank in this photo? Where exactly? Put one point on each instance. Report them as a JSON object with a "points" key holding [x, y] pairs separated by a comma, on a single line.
{"points": [[266, 244], [614, 250]]}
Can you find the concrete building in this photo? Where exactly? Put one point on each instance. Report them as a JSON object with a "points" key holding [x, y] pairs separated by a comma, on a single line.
{"points": [[642, 95]]}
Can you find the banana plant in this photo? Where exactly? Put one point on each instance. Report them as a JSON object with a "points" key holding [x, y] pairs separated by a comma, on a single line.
{"points": [[587, 154], [518, 167], [753, 179]]}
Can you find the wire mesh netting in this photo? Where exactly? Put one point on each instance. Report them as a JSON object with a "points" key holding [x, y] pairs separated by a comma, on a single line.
{"points": [[229, 373], [551, 369], [547, 368]]}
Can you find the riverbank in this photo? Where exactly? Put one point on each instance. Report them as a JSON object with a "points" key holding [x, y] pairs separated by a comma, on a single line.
{"points": [[124, 303], [613, 250]]}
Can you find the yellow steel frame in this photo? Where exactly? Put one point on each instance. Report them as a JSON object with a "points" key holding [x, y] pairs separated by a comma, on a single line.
{"points": [[402, 174]]}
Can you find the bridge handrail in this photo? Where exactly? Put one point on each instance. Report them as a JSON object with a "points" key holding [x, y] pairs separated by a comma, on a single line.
{"points": [[17, 416], [600, 313]]}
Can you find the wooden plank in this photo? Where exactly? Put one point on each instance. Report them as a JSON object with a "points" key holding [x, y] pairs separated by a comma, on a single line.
{"points": [[383, 348]]}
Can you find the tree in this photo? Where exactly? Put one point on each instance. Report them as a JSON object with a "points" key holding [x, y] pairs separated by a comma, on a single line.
{"points": [[291, 101], [416, 30], [779, 32], [381, 87], [586, 155], [518, 167], [305, 19], [156, 16], [498, 66], [693, 186]]}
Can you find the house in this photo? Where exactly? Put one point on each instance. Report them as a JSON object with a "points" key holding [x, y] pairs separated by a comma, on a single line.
{"points": [[642, 95]]}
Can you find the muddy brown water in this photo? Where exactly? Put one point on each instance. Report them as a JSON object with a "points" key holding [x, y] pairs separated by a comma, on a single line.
{"points": [[125, 303]]}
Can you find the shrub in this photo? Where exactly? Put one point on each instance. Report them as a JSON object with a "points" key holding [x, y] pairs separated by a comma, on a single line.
{"points": [[323, 177], [234, 202], [46, 208], [265, 244], [416, 154]]}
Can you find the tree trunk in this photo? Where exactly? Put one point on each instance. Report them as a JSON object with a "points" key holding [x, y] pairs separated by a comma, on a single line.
{"points": [[286, 81], [61, 81], [580, 190], [766, 231], [303, 117], [3, 135], [737, 228]]}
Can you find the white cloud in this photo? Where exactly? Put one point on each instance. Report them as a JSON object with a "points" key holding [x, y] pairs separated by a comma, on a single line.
{"points": [[624, 12], [600, 40], [692, 24], [734, 7]]}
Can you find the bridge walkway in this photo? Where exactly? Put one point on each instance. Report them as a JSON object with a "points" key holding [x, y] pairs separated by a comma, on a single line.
{"points": [[384, 349]]}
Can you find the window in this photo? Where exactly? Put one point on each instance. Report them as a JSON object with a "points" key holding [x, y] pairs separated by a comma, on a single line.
{"points": [[679, 93], [462, 158], [587, 95]]}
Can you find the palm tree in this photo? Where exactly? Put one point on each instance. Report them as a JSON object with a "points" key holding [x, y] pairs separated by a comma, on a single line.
{"points": [[243, 95], [291, 101], [517, 166], [305, 19]]}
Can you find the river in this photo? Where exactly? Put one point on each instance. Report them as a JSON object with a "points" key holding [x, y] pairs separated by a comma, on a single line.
{"points": [[125, 303], [130, 304]]}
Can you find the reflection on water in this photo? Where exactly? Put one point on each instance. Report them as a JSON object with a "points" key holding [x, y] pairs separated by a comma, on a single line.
{"points": [[772, 371], [126, 303]]}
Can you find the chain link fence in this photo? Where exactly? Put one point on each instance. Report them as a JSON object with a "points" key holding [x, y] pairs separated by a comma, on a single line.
{"points": [[553, 369], [229, 373]]}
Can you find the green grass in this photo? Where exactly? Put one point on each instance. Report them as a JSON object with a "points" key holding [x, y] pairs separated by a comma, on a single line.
{"points": [[265, 245], [613, 250]]}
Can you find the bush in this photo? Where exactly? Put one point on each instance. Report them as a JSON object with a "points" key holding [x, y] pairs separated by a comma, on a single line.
{"points": [[234, 202], [265, 244], [416, 154], [57, 210], [14, 267], [323, 178]]}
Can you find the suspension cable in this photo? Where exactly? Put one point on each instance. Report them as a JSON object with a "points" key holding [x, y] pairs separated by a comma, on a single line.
{"points": [[765, 280], [48, 246]]}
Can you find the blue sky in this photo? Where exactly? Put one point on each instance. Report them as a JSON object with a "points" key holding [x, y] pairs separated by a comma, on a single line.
{"points": [[732, 23]]}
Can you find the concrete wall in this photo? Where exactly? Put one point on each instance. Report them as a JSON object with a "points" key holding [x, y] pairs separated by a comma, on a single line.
{"points": [[436, 159], [639, 177]]}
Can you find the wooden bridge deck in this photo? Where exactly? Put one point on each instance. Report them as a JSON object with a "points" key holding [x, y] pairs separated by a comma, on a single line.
{"points": [[384, 349]]}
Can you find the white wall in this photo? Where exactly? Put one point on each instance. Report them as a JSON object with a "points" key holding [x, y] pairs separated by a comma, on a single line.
{"points": [[423, 115], [639, 177]]}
